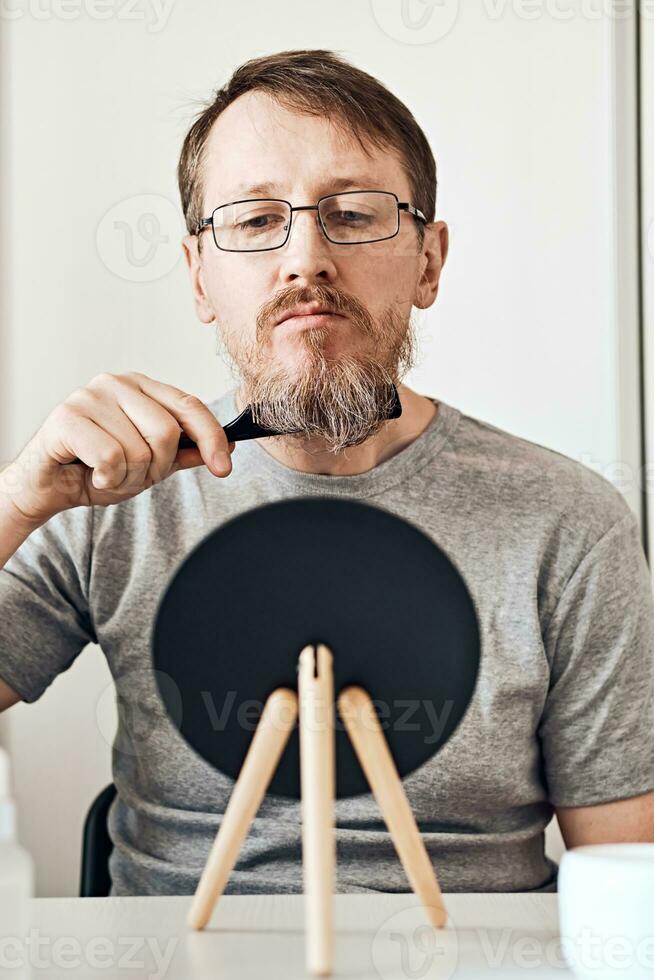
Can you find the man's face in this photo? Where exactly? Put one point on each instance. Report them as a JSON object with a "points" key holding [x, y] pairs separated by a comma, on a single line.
{"points": [[327, 377]]}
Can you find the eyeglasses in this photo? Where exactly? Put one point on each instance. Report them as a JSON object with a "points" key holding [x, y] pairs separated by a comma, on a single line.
{"points": [[350, 218]]}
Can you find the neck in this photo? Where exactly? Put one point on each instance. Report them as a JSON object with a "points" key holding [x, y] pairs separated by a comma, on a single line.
{"points": [[311, 455]]}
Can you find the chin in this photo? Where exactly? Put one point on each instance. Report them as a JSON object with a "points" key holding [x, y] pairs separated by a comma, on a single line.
{"points": [[297, 353]]}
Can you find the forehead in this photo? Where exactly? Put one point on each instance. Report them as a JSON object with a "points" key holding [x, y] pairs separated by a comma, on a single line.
{"points": [[257, 142]]}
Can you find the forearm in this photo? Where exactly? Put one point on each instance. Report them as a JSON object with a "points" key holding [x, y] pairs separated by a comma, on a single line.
{"points": [[14, 526], [630, 819]]}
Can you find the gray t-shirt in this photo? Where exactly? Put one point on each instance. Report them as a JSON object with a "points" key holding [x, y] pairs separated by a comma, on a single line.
{"points": [[563, 709]]}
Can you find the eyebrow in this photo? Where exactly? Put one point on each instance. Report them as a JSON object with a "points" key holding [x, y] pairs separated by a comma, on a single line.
{"points": [[364, 181]]}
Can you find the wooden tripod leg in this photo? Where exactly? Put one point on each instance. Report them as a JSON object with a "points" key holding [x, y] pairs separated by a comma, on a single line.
{"points": [[273, 731], [371, 747], [317, 776]]}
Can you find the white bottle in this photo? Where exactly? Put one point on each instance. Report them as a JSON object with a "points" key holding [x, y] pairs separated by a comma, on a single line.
{"points": [[16, 885]]}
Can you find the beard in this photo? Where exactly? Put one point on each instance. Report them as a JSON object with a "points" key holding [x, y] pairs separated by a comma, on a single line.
{"points": [[340, 399]]}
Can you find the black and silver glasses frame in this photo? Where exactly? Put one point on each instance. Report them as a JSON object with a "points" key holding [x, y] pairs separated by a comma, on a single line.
{"points": [[401, 206]]}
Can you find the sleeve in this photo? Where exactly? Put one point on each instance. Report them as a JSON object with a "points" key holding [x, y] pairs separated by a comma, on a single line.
{"points": [[44, 610], [597, 726]]}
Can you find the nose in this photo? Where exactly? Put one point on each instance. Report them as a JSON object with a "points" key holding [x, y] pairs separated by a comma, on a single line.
{"points": [[307, 254]]}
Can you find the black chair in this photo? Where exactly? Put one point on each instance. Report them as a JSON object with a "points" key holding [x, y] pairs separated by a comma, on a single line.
{"points": [[97, 846]]}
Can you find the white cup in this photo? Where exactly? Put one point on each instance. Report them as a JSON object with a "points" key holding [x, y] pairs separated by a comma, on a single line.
{"points": [[606, 910]]}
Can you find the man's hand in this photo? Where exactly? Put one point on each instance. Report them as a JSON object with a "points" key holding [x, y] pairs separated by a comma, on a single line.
{"points": [[125, 428]]}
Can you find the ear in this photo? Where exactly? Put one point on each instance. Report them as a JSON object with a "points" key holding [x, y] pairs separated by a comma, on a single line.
{"points": [[190, 245], [434, 254]]}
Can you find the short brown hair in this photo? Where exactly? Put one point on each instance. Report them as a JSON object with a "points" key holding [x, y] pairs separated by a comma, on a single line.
{"points": [[319, 83]]}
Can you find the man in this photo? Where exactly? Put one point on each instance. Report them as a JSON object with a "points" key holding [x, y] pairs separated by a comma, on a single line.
{"points": [[309, 195]]}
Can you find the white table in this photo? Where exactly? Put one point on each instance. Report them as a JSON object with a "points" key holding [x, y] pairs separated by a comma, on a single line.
{"points": [[378, 936]]}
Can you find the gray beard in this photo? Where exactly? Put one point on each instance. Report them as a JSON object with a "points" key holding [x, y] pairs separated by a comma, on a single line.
{"points": [[342, 401]]}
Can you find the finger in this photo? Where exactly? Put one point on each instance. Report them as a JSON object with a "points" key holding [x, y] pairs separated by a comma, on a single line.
{"points": [[154, 424], [195, 418], [77, 436], [103, 406], [187, 458]]}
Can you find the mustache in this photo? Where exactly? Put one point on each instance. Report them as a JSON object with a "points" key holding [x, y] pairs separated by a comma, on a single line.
{"points": [[287, 298]]}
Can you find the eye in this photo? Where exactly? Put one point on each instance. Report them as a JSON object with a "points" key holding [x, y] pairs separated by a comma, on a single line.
{"points": [[349, 217], [259, 222]]}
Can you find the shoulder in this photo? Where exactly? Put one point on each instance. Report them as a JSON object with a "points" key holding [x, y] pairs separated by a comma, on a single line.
{"points": [[540, 483]]}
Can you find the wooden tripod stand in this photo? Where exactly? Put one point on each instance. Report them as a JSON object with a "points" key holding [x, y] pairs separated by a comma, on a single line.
{"points": [[317, 778]]}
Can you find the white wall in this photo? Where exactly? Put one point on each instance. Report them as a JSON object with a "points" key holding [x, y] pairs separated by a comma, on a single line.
{"points": [[530, 331]]}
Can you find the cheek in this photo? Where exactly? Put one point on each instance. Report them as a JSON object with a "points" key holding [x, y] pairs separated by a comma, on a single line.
{"points": [[235, 296], [403, 263], [387, 274]]}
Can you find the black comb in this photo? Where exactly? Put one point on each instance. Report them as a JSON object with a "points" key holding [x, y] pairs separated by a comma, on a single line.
{"points": [[244, 427]]}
